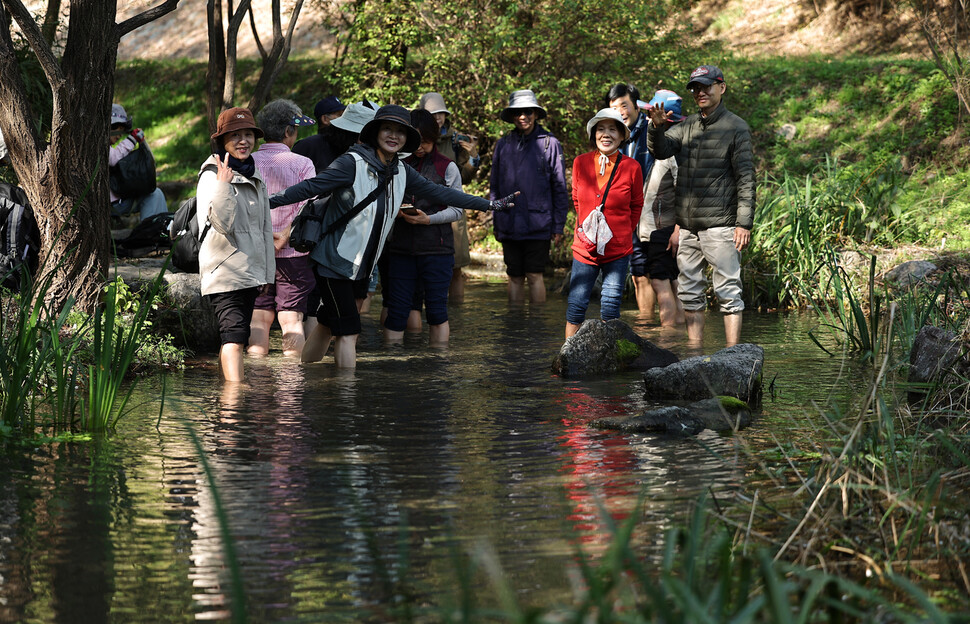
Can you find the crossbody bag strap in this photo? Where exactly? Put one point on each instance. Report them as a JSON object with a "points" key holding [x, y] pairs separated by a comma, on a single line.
{"points": [[208, 224], [344, 219], [609, 182]]}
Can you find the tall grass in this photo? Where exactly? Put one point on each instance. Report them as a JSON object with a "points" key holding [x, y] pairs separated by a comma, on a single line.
{"points": [[33, 358], [857, 328], [704, 575], [44, 354], [799, 220], [114, 348]]}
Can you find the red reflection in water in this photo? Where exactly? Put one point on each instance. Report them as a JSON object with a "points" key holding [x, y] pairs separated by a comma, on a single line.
{"points": [[601, 466]]}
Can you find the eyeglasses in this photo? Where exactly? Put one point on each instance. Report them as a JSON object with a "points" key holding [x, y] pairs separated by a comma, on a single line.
{"points": [[526, 112], [699, 88]]}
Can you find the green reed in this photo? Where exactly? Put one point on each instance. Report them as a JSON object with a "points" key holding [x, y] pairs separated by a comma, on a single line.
{"points": [[237, 592], [855, 326], [704, 576], [114, 348], [798, 220], [37, 365]]}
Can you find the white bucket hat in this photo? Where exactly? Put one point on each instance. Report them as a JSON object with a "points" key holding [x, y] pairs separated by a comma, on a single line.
{"points": [[433, 103], [524, 98], [355, 116], [607, 113]]}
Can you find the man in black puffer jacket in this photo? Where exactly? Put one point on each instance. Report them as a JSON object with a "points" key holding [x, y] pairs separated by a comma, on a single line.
{"points": [[715, 198]]}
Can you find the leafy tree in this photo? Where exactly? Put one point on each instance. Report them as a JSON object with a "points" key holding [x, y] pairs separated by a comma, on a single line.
{"points": [[945, 28], [64, 170], [475, 52], [221, 77]]}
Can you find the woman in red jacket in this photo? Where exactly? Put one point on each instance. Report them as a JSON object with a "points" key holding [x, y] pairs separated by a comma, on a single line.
{"points": [[603, 242]]}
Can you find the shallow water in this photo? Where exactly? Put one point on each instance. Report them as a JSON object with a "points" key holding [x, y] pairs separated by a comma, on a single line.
{"points": [[334, 484]]}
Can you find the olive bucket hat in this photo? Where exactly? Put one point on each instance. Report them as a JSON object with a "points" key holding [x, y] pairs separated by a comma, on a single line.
{"points": [[523, 98], [398, 115]]}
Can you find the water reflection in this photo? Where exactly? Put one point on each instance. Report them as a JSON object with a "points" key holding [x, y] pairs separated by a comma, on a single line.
{"points": [[338, 486]]}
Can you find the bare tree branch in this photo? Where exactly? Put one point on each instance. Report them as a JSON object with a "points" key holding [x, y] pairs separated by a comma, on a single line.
{"points": [[232, 35], [145, 17], [259, 44], [35, 38]]}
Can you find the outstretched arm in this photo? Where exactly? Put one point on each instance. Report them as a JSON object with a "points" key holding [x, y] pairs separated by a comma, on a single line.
{"points": [[340, 173]]}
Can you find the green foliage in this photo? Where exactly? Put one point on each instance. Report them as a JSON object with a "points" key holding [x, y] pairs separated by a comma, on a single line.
{"points": [[44, 354], [844, 316], [476, 53], [33, 357], [703, 577], [799, 220], [114, 346]]}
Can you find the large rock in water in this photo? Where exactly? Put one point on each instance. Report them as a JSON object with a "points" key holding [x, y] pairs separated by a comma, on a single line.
{"points": [[735, 372], [604, 347], [936, 352], [190, 319], [183, 312], [719, 414]]}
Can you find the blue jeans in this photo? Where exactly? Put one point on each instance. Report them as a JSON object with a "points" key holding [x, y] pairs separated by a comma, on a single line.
{"points": [[148, 205], [581, 287]]}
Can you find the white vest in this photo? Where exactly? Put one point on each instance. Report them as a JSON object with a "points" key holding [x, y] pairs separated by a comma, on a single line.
{"points": [[353, 241]]}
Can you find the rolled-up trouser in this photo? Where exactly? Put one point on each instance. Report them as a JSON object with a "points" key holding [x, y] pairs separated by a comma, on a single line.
{"points": [[581, 282], [713, 246]]}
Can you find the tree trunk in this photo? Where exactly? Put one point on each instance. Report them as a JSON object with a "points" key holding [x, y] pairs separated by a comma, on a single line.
{"points": [[274, 61], [52, 19], [215, 77], [221, 77], [65, 177]]}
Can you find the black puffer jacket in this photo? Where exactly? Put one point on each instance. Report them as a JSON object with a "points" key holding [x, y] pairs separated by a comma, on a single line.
{"points": [[715, 184]]}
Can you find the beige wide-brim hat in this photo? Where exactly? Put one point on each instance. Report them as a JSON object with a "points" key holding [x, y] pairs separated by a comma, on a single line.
{"points": [[433, 103], [355, 116], [519, 100], [603, 114]]}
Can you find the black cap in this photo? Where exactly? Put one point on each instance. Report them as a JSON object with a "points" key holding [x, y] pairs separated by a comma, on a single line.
{"points": [[705, 75], [327, 105]]}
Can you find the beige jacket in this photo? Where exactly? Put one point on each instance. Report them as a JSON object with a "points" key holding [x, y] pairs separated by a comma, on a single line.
{"points": [[237, 252]]}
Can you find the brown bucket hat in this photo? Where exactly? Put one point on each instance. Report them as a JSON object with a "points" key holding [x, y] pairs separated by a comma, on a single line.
{"points": [[237, 118]]}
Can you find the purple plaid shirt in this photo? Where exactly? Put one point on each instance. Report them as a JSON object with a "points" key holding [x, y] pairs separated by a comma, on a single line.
{"points": [[282, 169]]}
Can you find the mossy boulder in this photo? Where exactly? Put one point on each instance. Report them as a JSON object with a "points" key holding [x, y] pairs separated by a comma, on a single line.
{"points": [[732, 372], [605, 347], [722, 414]]}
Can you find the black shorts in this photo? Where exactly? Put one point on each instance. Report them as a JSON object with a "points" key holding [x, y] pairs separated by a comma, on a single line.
{"points": [[338, 304], [525, 256], [234, 313], [660, 262]]}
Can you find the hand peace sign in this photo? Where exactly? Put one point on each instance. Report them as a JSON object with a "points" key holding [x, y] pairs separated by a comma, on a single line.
{"points": [[223, 172]]}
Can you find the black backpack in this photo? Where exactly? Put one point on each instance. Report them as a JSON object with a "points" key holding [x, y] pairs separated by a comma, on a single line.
{"points": [[186, 240], [19, 237], [134, 175], [150, 235]]}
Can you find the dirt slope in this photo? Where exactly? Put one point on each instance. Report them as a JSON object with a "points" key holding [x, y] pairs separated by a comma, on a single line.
{"points": [[749, 27]]}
